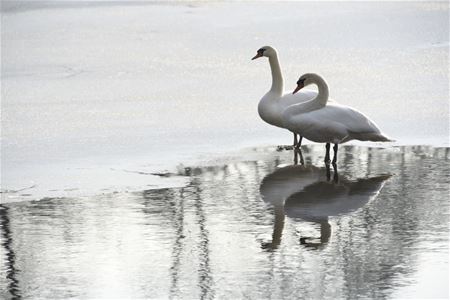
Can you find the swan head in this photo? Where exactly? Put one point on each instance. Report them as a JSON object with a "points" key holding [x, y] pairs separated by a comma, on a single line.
{"points": [[266, 51], [301, 83], [307, 79]]}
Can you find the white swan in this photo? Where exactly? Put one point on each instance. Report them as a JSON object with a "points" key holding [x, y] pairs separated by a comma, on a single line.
{"points": [[274, 102], [324, 122]]}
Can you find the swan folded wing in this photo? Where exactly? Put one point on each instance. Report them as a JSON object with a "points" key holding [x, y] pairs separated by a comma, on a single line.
{"points": [[317, 128], [358, 125], [336, 124], [353, 120]]}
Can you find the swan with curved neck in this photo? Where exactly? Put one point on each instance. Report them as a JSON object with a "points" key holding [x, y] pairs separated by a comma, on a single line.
{"points": [[322, 97], [324, 122], [274, 102]]}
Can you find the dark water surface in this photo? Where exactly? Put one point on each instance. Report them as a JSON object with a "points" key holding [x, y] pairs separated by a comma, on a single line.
{"points": [[248, 227]]}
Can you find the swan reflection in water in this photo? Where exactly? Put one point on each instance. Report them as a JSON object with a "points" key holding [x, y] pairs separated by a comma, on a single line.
{"points": [[302, 192], [298, 157]]}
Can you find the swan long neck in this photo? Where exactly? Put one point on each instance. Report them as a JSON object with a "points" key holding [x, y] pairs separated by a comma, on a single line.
{"points": [[277, 77], [322, 97], [318, 102]]}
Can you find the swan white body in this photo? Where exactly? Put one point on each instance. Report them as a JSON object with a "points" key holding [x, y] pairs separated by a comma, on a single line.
{"points": [[272, 105], [275, 101], [324, 122]]}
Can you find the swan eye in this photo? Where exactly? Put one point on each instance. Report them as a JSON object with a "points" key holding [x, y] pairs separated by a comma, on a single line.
{"points": [[261, 51], [301, 81]]}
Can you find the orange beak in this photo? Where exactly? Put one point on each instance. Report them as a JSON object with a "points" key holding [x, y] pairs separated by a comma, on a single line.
{"points": [[298, 88], [257, 56]]}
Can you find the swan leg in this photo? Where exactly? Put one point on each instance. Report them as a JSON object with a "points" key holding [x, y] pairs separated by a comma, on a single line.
{"points": [[298, 153], [299, 144], [327, 166], [327, 154], [335, 148], [302, 161], [335, 176], [288, 147]]}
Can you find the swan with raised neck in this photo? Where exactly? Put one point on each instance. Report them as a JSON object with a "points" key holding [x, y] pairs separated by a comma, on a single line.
{"points": [[275, 101]]}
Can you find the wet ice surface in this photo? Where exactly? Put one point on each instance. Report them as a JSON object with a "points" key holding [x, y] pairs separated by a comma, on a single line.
{"points": [[380, 232], [92, 88]]}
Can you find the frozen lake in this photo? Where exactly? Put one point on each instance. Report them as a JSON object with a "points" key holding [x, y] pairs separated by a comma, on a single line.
{"points": [[134, 163]]}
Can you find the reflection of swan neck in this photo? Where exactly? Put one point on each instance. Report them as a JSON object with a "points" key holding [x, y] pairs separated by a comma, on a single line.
{"points": [[325, 231], [278, 226], [277, 77]]}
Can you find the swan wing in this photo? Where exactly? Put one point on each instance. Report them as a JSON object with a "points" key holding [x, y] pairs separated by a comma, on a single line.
{"points": [[352, 119], [316, 127], [334, 123]]}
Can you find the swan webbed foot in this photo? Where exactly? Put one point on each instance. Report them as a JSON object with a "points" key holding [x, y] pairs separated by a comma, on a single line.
{"points": [[284, 147]]}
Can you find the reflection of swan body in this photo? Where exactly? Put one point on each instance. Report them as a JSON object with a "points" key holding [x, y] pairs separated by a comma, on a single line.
{"points": [[276, 187], [332, 123], [299, 192], [273, 103], [321, 200]]}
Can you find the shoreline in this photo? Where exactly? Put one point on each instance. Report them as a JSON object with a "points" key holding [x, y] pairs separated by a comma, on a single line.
{"points": [[94, 180]]}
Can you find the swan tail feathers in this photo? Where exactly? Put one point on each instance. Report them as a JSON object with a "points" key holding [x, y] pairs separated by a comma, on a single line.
{"points": [[370, 136]]}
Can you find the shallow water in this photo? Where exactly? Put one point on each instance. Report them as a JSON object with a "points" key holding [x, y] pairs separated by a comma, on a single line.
{"points": [[380, 231]]}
